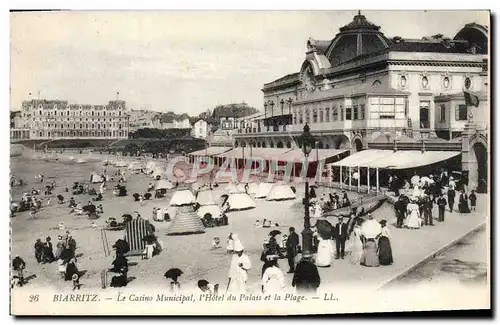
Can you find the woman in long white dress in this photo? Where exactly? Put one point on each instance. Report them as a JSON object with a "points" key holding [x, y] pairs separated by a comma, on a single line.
{"points": [[356, 245], [413, 220], [325, 252], [273, 280]]}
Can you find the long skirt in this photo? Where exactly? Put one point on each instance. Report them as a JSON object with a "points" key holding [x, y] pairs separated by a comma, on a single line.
{"points": [[384, 251], [369, 256]]}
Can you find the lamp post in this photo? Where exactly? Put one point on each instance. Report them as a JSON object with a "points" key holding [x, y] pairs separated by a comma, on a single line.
{"points": [[272, 107], [282, 103], [306, 140]]}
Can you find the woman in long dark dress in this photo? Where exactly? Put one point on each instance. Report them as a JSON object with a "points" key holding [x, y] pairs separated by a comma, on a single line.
{"points": [[384, 245], [463, 204], [270, 253]]}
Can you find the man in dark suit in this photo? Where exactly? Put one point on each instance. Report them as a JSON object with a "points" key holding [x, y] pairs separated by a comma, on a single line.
{"points": [[441, 202], [292, 245], [400, 208], [340, 234], [428, 211], [306, 278]]}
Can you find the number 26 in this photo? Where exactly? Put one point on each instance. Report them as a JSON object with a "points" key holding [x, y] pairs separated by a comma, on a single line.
{"points": [[33, 298]]}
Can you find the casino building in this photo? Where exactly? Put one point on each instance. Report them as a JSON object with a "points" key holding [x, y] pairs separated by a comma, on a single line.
{"points": [[365, 90]]}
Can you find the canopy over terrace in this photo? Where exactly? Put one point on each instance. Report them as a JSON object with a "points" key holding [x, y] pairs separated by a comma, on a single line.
{"points": [[209, 151], [389, 159], [296, 157]]}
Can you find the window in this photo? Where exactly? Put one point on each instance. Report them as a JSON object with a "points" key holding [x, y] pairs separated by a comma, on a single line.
{"points": [[348, 113], [341, 113], [335, 113], [355, 112], [301, 119], [308, 116], [467, 83], [461, 113], [315, 115], [442, 113], [382, 108], [327, 114], [362, 111], [321, 117], [295, 117]]}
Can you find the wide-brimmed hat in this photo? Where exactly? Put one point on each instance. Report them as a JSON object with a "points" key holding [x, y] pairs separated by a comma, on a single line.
{"points": [[383, 222]]}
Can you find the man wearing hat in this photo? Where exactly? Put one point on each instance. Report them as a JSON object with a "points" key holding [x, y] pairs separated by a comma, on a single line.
{"points": [[240, 264], [340, 234], [306, 277]]}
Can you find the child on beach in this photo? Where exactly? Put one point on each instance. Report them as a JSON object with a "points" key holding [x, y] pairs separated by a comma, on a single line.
{"points": [[216, 243]]}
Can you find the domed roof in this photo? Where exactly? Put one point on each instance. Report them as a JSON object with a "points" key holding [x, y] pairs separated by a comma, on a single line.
{"points": [[359, 37]]}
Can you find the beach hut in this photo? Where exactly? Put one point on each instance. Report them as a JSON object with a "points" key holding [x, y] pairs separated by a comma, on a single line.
{"points": [[263, 190], [186, 222], [164, 184], [96, 178], [280, 192], [240, 201], [205, 197], [182, 197], [135, 231]]}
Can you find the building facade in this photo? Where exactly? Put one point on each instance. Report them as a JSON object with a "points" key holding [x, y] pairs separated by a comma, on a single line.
{"points": [[141, 119], [365, 90], [56, 119], [200, 129]]}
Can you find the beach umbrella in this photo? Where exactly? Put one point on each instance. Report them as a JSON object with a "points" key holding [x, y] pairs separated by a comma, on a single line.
{"points": [[274, 233], [324, 228], [173, 274], [371, 228]]}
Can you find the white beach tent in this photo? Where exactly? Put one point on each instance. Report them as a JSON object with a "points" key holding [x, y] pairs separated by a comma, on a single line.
{"points": [[212, 209], [253, 188], [150, 166], [81, 161], [158, 172], [164, 184], [205, 197], [280, 192], [182, 197], [231, 188], [263, 190], [240, 201]]}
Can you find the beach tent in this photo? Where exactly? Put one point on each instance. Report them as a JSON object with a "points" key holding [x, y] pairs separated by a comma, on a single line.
{"points": [[186, 222], [280, 192], [263, 190], [253, 188], [231, 188], [164, 184], [96, 178], [240, 201], [158, 172], [182, 197], [150, 166], [81, 161], [135, 231], [205, 197], [212, 209]]}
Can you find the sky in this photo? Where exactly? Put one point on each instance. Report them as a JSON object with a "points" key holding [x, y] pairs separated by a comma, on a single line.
{"points": [[183, 61]]}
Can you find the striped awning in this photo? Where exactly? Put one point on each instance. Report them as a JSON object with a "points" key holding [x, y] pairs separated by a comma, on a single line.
{"points": [[135, 231]]}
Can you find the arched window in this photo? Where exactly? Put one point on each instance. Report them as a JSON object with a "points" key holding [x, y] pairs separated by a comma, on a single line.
{"points": [[279, 144], [258, 144], [320, 145], [271, 144], [236, 144], [288, 144]]}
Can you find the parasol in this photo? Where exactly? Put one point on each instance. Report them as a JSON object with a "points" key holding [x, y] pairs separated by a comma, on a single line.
{"points": [[371, 228], [173, 274], [324, 228], [414, 180], [274, 233]]}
